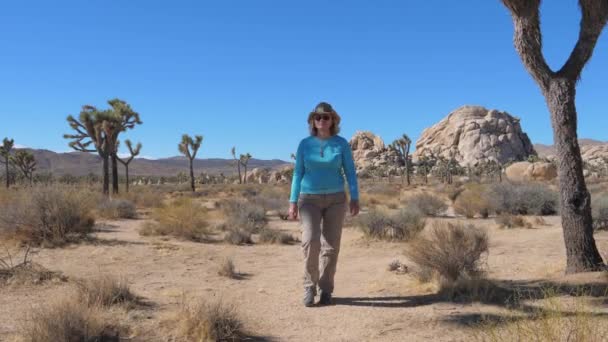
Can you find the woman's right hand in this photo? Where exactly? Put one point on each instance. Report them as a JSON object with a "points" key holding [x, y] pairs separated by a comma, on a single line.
{"points": [[293, 211]]}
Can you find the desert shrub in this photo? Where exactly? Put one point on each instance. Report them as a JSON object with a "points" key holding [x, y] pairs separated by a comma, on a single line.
{"points": [[25, 272], [243, 215], [599, 205], [452, 191], [66, 319], [382, 189], [511, 221], [104, 291], [184, 218], [238, 237], [48, 215], [117, 209], [273, 236], [524, 199], [205, 321], [402, 226], [428, 204], [227, 269], [144, 196], [474, 200], [453, 251]]}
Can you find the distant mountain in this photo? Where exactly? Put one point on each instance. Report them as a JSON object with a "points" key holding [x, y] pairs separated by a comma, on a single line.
{"points": [[80, 164], [547, 150]]}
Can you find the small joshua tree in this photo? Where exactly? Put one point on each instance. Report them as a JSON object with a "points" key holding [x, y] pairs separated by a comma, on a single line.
{"points": [[26, 163], [244, 160], [5, 152], [133, 152], [189, 147], [237, 162], [402, 147]]}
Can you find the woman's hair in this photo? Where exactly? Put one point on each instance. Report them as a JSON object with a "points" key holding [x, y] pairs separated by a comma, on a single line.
{"points": [[335, 123]]}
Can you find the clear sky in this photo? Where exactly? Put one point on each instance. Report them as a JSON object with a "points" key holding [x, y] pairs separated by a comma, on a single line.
{"points": [[246, 72]]}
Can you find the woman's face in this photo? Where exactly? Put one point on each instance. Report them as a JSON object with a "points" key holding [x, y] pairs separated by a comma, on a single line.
{"points": [[323, 121]]}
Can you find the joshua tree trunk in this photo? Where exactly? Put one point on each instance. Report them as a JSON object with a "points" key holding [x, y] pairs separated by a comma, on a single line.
{"points": [[581, 250], [8, 179], [238, 164], [114, 174], [192, 177], [559, 89], [106, 175], [245, 179], [127, 175], [407, 168]]}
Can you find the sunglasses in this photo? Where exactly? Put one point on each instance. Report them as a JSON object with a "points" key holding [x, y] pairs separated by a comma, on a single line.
{"points": [[324, 117]]}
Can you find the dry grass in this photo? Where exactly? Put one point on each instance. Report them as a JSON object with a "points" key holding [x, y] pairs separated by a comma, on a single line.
{"points": [[227, 269], [524, 199], [242, 215], [554, 320], [508, 221], [428, 204], [48, 215], [117, 209], [401, 226], [66, 319], [144, 197], [473, 201], [268, 235], [184, 219], [599, 205], [453, 251], [105, 291], [238, 237], [24, 272], [205, 321]]}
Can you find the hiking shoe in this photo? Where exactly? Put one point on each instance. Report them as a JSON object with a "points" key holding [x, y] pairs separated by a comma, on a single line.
{"points": [[325, 298], [309, 296]]}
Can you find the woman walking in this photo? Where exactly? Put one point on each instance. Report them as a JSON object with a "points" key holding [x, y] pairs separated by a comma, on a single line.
{"points": [[318, 199]]}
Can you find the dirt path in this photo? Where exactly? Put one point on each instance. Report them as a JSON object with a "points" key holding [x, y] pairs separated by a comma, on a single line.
{"points": [[372, 304]]}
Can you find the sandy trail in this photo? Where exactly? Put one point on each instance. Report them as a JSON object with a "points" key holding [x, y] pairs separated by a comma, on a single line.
{"points": [[372, 304]]}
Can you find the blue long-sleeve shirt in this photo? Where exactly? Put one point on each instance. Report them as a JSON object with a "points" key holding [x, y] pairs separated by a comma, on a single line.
{"points": [[323, 174]]}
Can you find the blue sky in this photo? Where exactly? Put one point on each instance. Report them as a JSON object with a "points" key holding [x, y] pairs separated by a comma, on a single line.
{"points": [[246, 73]]}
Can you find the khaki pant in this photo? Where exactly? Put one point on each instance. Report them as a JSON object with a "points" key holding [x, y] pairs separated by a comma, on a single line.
{"points": [[322, 217]]}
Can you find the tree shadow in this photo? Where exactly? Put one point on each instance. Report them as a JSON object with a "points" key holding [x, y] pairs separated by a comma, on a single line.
{"points": [[511, 295]]}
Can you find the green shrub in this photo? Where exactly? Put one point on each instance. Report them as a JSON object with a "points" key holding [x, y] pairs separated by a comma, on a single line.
{"points": [[524, 199], [117, 209], [243, 215], [599, 205]]}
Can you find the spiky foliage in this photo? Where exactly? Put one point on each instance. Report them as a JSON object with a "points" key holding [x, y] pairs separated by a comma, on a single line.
{"points": [[25, 162], [189, 147], [5, 152], [120, 118], [133, 152], [402, 147], [244, 160], [237, 162], [559, 89], [90, 136]]}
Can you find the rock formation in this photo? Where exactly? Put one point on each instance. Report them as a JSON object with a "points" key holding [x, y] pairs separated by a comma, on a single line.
{"points": [[476, 134], [369, 152], [526, 171]]}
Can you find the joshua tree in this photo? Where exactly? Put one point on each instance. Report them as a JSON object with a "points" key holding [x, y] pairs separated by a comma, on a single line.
{"points": [[133, 152], [118, 119], [559, 90], [237, 162], [26, 163], [424, 166], [244, 160], [189, 147], [5, 152], [402, 146], [89, 130]]}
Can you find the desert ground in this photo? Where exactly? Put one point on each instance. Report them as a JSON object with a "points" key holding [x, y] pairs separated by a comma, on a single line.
{"points": [[371, 302]]}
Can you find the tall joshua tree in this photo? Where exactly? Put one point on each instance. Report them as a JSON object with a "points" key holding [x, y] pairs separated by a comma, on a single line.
{"points": [[119, 118], [402, 146], [559, 90], [189, 147], [5, 152], [26, 163], [133, 152], [237, 162], [244, 160], [90, 136]]}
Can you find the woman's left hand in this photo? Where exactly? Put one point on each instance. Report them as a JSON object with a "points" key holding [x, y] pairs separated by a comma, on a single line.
{"points": [[354, 208]]}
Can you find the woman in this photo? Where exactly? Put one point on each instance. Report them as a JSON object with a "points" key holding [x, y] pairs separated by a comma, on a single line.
{"points": [[318, 198]]}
